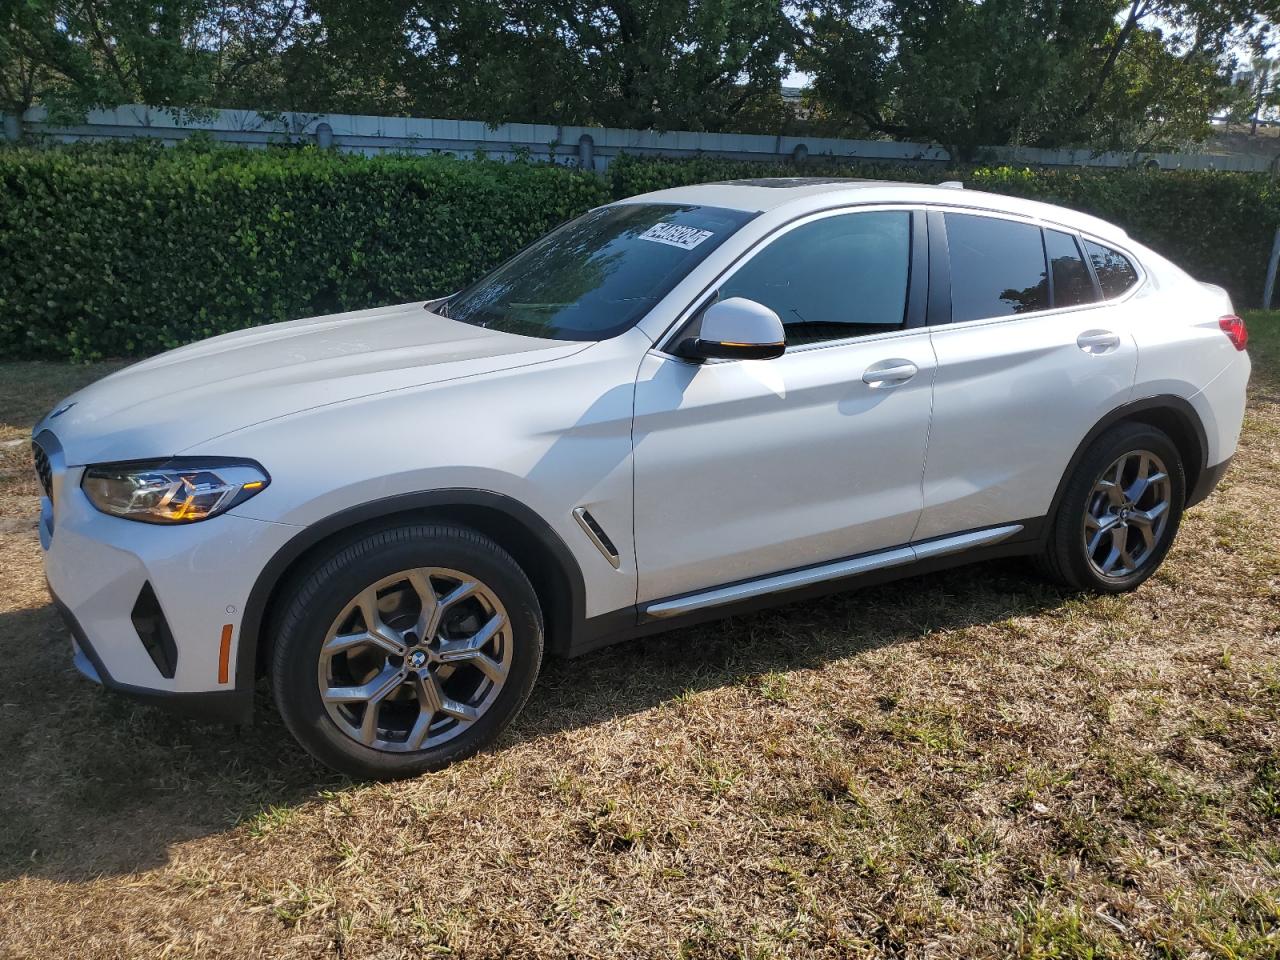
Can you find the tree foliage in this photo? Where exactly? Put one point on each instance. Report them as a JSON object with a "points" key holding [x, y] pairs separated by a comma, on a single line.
{"points": [[1109, 73], [668, 64], [966, 73]]}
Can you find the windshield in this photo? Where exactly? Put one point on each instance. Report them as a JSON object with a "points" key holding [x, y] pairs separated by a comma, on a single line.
{"points": [[597, 275]]}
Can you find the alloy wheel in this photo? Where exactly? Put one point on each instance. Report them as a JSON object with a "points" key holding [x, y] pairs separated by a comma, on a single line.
{"points": [[415, 659], [1127, 514]]}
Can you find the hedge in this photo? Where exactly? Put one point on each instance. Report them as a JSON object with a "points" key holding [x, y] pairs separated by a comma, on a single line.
{"points": [[127, 252], [127, 249], [1218, 226]]}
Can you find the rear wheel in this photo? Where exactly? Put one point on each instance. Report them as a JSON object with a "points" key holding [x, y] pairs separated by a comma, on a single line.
{"points": [[407, 650], [1119, 513]]}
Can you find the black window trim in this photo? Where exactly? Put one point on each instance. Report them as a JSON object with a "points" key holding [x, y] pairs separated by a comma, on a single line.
{"points": [[1084, 258], [918, 279], [940, 311], [1134, 262]]}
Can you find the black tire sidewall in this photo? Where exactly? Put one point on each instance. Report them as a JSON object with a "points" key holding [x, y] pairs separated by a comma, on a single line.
{"points": [[1068, 539], [320, 596]]}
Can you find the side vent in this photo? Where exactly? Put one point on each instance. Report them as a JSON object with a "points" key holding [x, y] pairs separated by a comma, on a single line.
{"points": [[595, 533], [153, 631]]}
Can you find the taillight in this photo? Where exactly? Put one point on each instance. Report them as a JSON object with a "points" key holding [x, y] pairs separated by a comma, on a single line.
{"points": [[1235, 330]]}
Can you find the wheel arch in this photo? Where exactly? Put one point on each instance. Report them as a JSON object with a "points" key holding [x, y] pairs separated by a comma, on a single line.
{"points": [[543, 556], [1172, 414]]}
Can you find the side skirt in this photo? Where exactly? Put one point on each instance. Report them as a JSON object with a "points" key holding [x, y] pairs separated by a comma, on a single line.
{"points": [[806, 583]]}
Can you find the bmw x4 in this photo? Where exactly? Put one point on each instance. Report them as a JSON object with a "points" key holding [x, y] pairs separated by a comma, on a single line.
{"points": [[685, 404]]}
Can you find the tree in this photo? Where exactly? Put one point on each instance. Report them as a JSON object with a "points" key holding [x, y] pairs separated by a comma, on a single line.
{"points": [[73, 55], [968, 73], [668, 64]]}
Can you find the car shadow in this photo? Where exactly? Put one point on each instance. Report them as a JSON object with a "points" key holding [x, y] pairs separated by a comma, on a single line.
{"points": [[95, 784]]}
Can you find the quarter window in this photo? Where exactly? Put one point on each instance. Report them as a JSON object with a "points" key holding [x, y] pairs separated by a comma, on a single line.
{"points": [[838, 277], [1115, 272], [1072, 284], [997, 267]]}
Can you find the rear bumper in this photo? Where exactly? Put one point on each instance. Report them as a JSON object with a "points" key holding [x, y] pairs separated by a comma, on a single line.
{"points": [[1208, 481], [223, 706]]}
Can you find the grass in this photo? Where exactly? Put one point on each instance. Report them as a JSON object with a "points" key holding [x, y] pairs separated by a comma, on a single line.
{"points": [[31, 389], [972, 764]]}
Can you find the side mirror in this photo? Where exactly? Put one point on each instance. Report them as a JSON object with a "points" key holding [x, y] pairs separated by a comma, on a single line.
{"points": [[736, 329]]}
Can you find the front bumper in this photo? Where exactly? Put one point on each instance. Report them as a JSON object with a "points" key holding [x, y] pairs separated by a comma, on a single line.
{"points": [[197, 577], [224, 706]]}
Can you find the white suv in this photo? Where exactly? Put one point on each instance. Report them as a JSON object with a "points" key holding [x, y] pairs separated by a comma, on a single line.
{"points": [[689, 403]]}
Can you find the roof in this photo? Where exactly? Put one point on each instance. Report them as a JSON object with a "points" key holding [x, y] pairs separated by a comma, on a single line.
{"points": [[804, 194]]}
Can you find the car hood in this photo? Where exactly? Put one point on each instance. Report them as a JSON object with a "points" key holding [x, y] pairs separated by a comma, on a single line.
{"points": [[162, 406]]}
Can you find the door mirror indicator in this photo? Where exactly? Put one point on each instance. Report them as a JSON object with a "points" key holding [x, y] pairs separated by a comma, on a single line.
{"points": [[736, 329]]}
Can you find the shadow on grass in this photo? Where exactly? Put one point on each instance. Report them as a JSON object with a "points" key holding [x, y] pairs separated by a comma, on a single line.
{"points": [[94, 784]]}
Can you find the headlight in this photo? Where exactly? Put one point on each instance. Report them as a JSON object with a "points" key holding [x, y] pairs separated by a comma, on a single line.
{"points": [[172, 491]]}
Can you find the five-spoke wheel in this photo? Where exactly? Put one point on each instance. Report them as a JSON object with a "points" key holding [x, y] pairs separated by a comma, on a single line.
{"points": [[406, 650], [1118, 512], [415, 658], [1127, 513]]}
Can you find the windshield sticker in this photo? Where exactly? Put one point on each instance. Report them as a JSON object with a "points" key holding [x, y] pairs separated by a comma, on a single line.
{"points": [[675, 235]]}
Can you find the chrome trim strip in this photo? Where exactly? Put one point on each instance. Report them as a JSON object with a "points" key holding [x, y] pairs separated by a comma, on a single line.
{"points": [[579, 514], [963, 541], [782, 582]]}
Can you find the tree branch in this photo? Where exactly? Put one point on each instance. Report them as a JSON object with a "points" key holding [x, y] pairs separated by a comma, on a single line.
{"points": [[1137, 10]]}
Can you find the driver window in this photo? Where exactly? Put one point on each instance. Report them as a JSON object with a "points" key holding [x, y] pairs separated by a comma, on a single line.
{"points": [[838, 277]]}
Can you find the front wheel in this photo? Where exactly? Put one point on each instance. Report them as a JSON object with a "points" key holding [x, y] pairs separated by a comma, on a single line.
{"points": [[406, 650], [1119, 512]]}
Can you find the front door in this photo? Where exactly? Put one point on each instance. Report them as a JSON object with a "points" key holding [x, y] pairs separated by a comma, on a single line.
{"points": [[748, 468]]}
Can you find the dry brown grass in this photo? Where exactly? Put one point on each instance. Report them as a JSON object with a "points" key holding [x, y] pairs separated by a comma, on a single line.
{"points": [[966, 765]]}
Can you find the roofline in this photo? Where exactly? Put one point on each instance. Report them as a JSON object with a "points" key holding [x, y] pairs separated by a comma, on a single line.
{"points": [[827, 196]]}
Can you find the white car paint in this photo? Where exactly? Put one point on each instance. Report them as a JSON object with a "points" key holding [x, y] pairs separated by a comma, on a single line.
{"points": [[238, 379], [701, 475]]}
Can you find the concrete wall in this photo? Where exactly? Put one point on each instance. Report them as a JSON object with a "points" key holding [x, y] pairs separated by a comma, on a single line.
{"points": [[590, 147]]}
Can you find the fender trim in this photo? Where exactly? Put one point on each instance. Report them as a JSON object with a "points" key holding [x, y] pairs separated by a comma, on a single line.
{"points": [[1125, 412], [273, 572]]}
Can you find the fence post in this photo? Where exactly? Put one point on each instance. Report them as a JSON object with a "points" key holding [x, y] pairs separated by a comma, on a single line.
{"points": [[1270, 288], [586, 152], [12, 129]]}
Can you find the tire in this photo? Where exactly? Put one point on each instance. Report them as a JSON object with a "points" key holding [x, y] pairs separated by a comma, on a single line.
{"points": [[349, 625], [1091, 492]]}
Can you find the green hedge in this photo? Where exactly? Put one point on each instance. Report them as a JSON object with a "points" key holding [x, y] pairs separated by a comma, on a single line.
{"points": [[1217, 226], [124, 250]]}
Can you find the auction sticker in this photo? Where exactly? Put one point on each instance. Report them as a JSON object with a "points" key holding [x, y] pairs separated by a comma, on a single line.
{"points": [[675, 235]]}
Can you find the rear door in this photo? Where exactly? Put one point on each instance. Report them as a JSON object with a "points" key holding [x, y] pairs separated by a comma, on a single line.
{"points": [[1032, 358]]}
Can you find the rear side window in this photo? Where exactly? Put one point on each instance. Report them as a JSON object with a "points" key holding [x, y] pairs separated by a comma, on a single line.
{"points": [[829, 279], [1072, 284], [997, 267], [1115, 273]]}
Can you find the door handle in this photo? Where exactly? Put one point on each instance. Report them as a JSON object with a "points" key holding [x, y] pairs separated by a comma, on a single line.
{"points": [[889, 373], [1098, 341]]}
